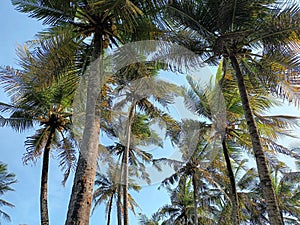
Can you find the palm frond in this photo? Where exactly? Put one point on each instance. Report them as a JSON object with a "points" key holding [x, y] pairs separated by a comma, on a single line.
{"points": [[5, 216], [67, 157], [51, 12], [19, 124], [35, 144]]}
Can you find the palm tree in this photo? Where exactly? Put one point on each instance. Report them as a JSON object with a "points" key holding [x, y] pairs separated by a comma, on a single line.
{"points": [[133, 130], [180, 210], [137, 133], [251, 200], [135, 164], [6, 180], [107, 190], [232, 29], [141, 135], [249, 196], [287, 191], [197, 100], [192, 169], [154, 220], [235, 135], [141, 78], [102, 24], [41, 96]]}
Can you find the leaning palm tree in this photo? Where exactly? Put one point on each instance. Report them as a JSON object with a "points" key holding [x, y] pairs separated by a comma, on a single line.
{"points": [[235, 135], [6, 180], [232, 30], [100, 24], [41, 96]]}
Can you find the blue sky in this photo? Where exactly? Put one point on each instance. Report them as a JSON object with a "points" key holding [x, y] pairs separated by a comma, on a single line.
{"points": [[16, 29]]}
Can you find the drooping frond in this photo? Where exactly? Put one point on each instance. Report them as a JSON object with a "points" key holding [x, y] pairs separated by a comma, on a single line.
{"points": [[67, 157], [51, 12], [35, 144]]}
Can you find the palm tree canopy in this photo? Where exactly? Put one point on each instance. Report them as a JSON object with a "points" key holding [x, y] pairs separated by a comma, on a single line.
{"points": [[44, 98]]}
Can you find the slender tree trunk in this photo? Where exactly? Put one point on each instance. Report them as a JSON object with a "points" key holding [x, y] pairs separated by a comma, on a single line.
{"points": [[233, 195], [119, 197], [261, 162], [44, 180], [125, 164], [109, 209], [83, 185], [195, 189], [119, 204]]}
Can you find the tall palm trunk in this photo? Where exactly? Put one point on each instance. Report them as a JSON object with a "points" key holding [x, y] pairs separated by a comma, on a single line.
{"points": [[82, 191], [125, 164], [44, 180], [109, 209], [119, 203], [195, 198], [119, 206], [261, 162], [233, 195]]}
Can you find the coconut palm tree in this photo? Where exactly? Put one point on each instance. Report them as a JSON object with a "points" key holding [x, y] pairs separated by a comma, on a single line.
{"points": [[153, 220], [287, 191], [107, 190], [232, 30], [180, 211], [135, 87], [251, 200], [193, 169], [129, 143], [235, 135], [141, 135], [6, 180], [41, 97], [101, 24], [135, 164]]}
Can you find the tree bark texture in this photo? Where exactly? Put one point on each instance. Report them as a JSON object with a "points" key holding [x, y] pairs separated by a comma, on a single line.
{"points": [[44, 180], [83, 185], [233, 193], [125, 164], [195, 189]]}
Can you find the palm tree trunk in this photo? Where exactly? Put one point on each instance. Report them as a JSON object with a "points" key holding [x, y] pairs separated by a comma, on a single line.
{"points": [[261, 162], [44, 180], [125, 164], [83, 185], [233, 196], [119, 197], [195, 189], [109, 209], [119, 205]]}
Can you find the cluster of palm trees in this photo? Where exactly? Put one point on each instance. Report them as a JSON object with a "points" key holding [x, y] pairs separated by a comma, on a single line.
{"points": [[254, 43]]}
